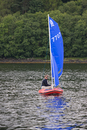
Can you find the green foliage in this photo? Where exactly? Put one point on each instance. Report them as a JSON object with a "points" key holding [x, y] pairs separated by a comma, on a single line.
{"points": [[24, 34], [51, 4], [71, 8], [80, 43]]}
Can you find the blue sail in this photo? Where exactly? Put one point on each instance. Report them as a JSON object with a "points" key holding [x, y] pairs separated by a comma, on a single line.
{"points": [[56, 50]]}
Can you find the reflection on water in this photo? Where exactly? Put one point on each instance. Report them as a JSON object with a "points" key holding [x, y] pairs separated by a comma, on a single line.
{"points": [[53, 112], [22, 108], [53, 109]]}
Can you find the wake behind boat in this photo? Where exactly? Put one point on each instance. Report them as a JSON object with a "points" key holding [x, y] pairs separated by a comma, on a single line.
{"points": [[56, 57]]}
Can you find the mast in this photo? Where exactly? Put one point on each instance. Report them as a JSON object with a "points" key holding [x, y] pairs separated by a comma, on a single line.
{"points": [[50, 51]]}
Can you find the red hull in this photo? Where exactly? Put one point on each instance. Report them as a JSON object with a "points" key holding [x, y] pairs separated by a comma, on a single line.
{"points": [[54, 91]]}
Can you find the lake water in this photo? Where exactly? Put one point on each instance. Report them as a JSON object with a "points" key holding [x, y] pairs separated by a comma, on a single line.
{"points": [[22, 108]]}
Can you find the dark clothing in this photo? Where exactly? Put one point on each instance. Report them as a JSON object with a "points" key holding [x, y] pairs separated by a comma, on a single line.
{"points": [[44, 83]]}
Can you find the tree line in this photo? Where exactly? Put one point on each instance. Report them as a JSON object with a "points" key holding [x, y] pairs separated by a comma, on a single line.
{"points": [[24, 27], [31, 6]]}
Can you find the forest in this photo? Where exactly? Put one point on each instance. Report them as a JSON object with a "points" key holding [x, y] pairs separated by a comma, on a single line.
{"points": [[24, 27]]}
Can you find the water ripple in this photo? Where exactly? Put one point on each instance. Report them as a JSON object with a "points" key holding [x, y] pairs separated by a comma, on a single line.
{"points": [[22, 108]]}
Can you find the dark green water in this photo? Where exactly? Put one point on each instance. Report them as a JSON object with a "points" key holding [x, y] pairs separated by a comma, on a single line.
{"points": [[22, 108]]}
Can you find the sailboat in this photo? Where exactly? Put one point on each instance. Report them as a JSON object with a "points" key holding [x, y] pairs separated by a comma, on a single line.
{"points": [[56, 57]]}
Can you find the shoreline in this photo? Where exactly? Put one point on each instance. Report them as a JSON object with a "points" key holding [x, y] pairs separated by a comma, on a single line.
{"points": [[32, 60]]}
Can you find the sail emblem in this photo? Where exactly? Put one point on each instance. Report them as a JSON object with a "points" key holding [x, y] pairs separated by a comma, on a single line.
{"points": [[51, 22]]}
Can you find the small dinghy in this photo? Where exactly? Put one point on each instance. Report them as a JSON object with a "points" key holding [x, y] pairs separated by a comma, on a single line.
{"points": [[54, 91], [56, 57]]}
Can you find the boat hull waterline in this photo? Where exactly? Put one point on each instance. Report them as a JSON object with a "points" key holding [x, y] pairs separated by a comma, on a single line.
{"points": [[54, 91]]}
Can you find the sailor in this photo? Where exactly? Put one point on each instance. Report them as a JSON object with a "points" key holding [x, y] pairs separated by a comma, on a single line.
{"points": [[45, 85]]}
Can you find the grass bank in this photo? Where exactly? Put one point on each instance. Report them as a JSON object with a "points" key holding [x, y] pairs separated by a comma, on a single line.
{"points": [[36, 60]]}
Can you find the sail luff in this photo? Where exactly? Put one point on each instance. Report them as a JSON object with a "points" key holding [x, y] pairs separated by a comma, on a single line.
{"points": [[50, 51]]}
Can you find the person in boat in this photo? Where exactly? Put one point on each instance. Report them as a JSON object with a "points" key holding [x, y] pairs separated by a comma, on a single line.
{"points": [[45, 84]]}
